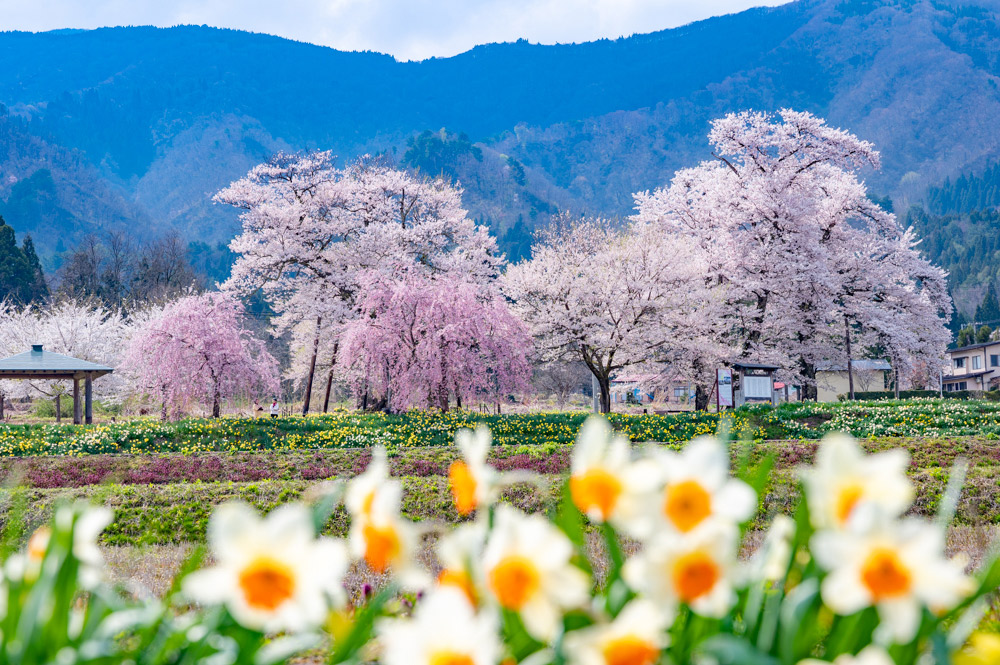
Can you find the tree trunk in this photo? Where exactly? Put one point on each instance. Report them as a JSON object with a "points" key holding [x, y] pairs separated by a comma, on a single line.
{"points": [[808, 389], [216, 402], [701, 396], [604, 382], [895, 380], [58, 408], [312, 368], [329, 379], [458, 400], [163, 411], [326, 396], [850, 361], [2, 399]]}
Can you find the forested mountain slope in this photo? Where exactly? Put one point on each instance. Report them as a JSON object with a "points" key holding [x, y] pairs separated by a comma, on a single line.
{"points": [[127, 125]]}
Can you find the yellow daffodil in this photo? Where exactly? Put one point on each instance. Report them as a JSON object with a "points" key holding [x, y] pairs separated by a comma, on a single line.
{"points": [[695, 569], [526, 564], [637, 636], [605, 484], [272, 574], [982, 649], [844, 479], [444, 630], [897, 567]]}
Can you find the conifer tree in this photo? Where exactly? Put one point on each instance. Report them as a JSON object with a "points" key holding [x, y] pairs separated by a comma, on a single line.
{"points": [[14, 270], [37, 290], [988, 310]]}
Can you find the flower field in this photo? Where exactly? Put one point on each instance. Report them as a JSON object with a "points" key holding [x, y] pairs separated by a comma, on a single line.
{"points": [[484, 561], [908, 418]]}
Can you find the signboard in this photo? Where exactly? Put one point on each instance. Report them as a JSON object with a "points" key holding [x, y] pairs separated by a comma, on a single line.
{"points": [[724, 380], [757, 387]]}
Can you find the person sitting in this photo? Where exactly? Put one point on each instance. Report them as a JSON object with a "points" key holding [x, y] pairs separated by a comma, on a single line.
{"points": [[274, 408]]}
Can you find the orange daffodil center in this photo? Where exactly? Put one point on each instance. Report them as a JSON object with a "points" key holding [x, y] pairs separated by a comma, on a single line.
{"points": [[847, 499], [382, 546], [630, 650], [463, 487], [514, 581], [267, 583], [885, 575], [687, 504], [595, 490], [694, 575]]}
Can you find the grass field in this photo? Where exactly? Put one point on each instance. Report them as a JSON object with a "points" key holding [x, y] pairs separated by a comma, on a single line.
{"points": [[165, 499], [163, 479]]}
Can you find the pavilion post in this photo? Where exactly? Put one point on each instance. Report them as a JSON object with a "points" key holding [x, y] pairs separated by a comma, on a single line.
{"points": [[77, 418], [88, 384]]}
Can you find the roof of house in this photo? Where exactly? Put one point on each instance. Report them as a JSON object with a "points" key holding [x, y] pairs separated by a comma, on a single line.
{"points": [[972, 347], [863, 365], [742, 365], [960, 377], [38, 361]]}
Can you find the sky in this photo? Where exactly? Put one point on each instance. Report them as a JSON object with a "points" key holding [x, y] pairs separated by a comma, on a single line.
{"points": [[406, 29]]}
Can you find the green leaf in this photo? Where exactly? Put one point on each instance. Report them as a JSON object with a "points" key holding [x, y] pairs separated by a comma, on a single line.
{"points": [[798, 624], [732, 650], [569, 519], [361, 631], [517, 639]]}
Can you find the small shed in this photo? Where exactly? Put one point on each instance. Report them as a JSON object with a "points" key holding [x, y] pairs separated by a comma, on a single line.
{"points": [[755, 383], [869, 376], [41, 364]]}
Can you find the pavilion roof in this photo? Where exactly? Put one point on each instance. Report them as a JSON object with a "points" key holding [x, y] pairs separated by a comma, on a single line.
{"points": [[40, 362]]}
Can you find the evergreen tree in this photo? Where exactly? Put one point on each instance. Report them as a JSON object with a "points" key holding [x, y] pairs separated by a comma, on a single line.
{"points": [[988, 310], [983, 334], [37, 290], [14, 270]]}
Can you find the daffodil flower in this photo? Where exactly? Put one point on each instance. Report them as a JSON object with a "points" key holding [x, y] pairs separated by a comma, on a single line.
{"points": [[897, 567], [444, 630], [272, 574], [844, 479], [527, 568], [637, 636]]}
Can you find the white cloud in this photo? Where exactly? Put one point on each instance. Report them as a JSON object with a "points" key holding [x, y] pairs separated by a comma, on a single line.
{"points": [[407, 29]]}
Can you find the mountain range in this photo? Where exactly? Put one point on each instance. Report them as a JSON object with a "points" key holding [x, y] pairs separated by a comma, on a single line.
{"points": [[137, 127]]}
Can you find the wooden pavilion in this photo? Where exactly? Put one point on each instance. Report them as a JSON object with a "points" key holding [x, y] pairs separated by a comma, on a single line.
{"points": [[40, 364]]}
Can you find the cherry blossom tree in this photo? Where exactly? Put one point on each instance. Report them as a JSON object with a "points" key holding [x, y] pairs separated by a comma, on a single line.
{"points": [[785, 227], [610, 297], [312, 233], [84, 329], [422, 339], [198, 349]]}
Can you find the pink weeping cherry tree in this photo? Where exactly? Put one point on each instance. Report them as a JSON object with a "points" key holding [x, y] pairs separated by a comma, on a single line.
{"points": [[198, 349], [420, 340]]}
